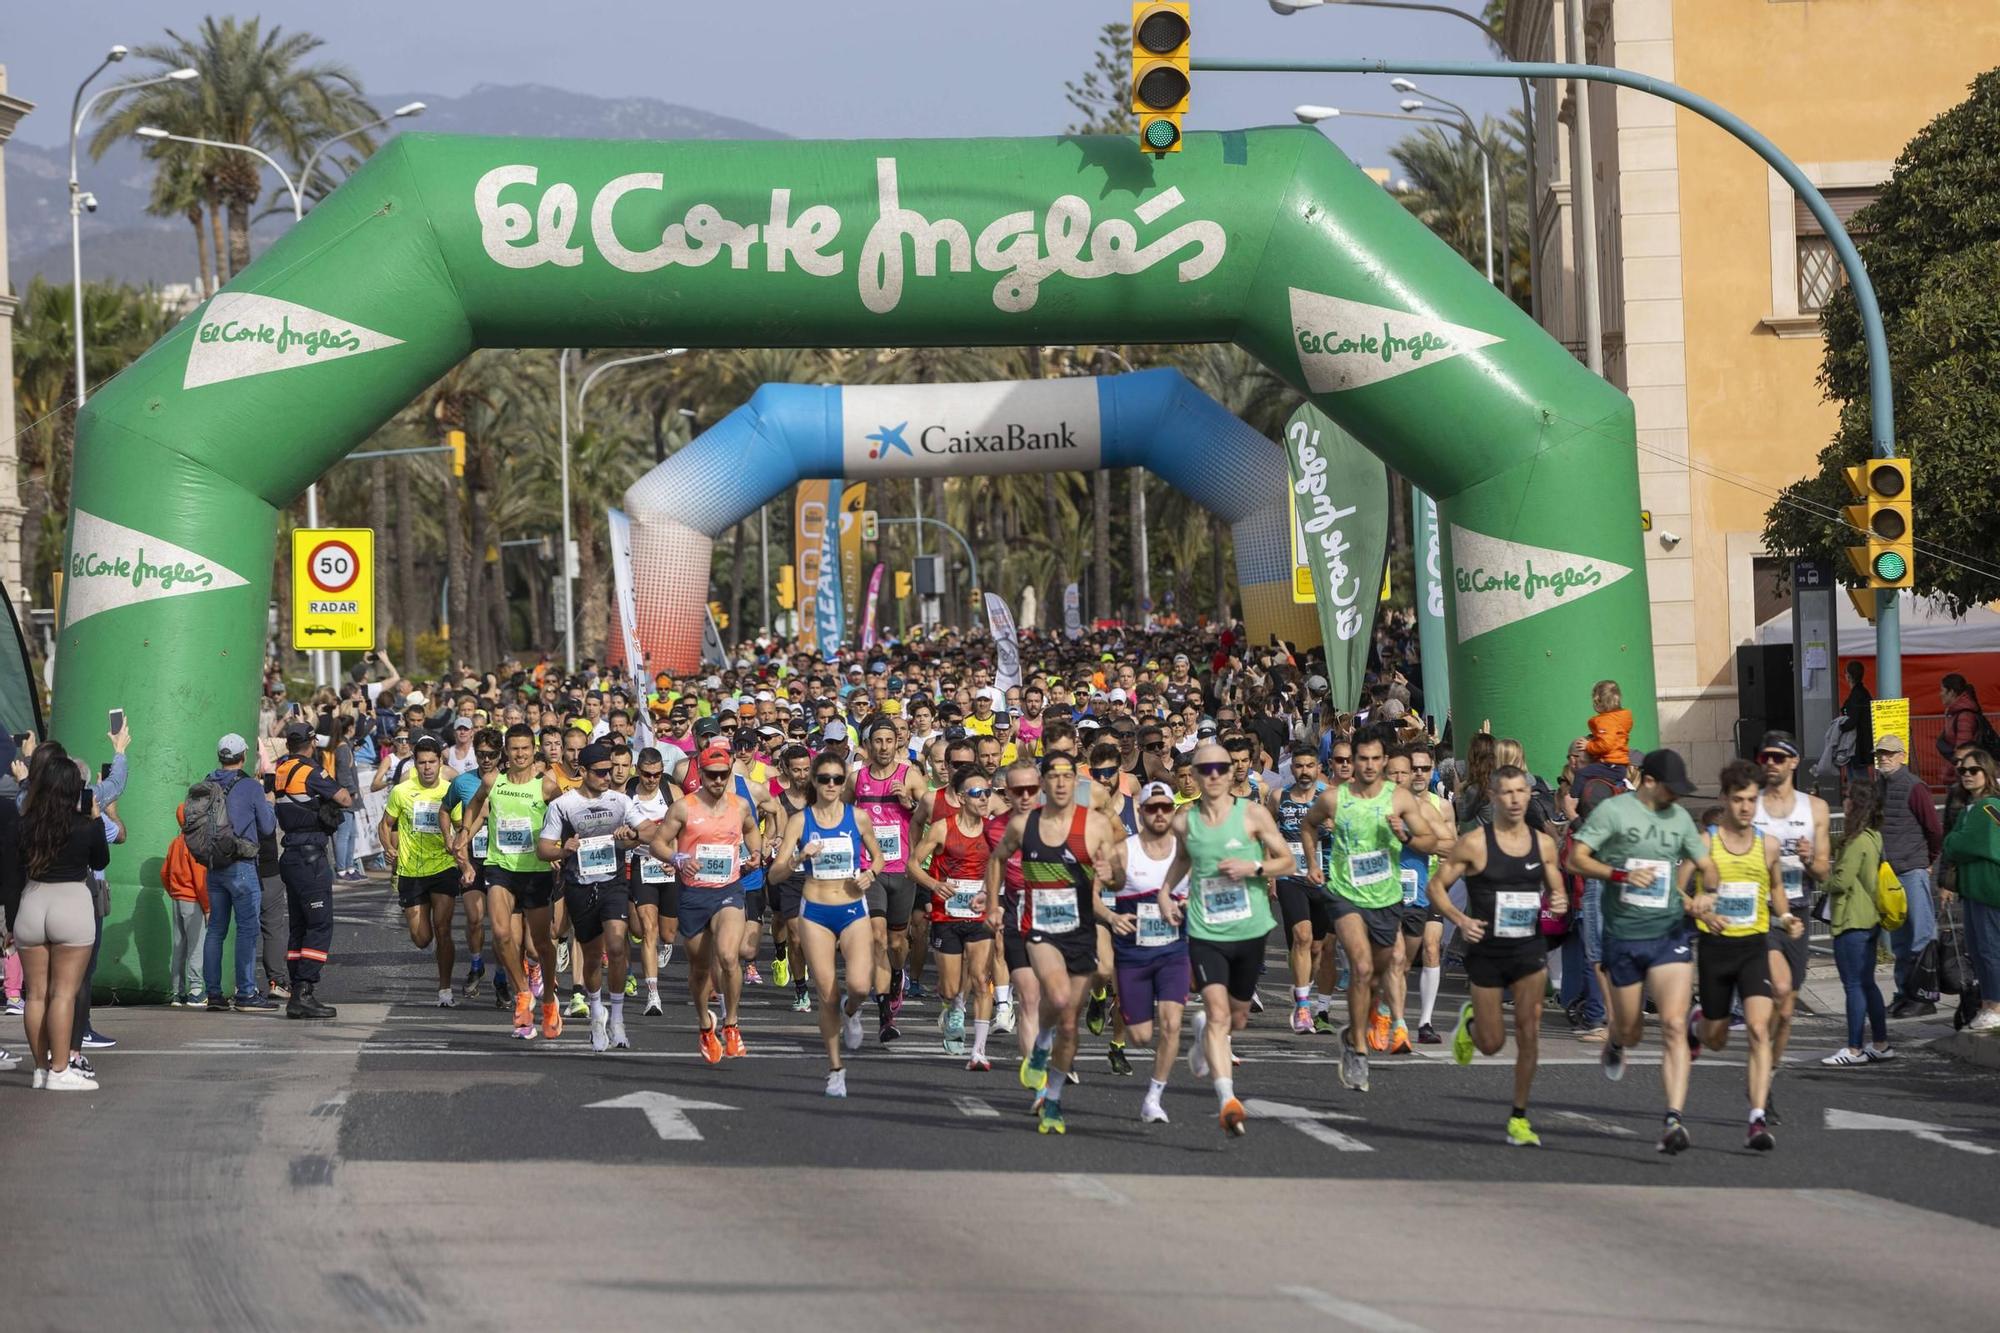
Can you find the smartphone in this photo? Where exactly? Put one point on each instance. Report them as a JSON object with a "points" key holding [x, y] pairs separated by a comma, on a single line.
{"points": [[20, 740], [117, 721], [104, 772], [270, 783]]}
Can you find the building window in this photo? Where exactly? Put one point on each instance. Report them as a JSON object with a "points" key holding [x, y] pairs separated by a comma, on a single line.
{"points": [[1820, 274]]}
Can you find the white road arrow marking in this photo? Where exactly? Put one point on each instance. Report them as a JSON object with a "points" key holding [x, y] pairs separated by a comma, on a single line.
{"points": [[1920, 1129], [1309, 1123], [665, 1112]]}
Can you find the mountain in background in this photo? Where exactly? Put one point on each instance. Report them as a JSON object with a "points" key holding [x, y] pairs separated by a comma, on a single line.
{"points": [[121, 241]]}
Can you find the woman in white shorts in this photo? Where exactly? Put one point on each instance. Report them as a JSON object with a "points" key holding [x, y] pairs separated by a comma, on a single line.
{"points": [[62, 841]]}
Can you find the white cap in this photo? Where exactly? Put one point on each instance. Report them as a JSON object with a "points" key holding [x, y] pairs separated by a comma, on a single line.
{"points": [[231, 746], [712, 683], [835, 731], [766, 697], [1155, 791], [415, 699], [1118, 696]]}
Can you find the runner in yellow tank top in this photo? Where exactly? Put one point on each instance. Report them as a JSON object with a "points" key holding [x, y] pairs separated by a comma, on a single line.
{"points": [[1733, 956]]}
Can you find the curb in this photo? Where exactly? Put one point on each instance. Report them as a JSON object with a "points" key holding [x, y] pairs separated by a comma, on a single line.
{"points": [[1970, 1047]]}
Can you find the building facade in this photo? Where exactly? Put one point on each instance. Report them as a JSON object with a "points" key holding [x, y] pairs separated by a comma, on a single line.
{"points": [[1712, 274], [11, 110]]}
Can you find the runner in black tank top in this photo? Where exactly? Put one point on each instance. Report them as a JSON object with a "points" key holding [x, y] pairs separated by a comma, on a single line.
{"points": [[1509, 870]]}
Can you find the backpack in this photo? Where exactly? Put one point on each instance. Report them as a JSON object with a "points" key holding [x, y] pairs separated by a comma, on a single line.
{"points": [[210, 834], [1986, 738], [1892, 903]]}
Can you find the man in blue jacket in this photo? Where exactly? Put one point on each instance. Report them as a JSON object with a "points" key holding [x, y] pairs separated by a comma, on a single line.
{"points": [[234, 889]]}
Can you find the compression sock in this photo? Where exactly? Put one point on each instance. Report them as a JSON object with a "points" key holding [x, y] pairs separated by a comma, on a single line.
{"points": [[1427, 988], [1225, 1088], [896, 981], [618, 1005], [1301, 994], [1052, 1094], [1003, 995], [980, 1027]]}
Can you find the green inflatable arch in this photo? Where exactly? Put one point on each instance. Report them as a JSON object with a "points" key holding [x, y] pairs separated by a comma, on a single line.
{"points": [[1268, 238]]}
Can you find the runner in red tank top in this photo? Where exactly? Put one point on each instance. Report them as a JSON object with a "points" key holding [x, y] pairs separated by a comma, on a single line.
{"points": [[951, 863]]}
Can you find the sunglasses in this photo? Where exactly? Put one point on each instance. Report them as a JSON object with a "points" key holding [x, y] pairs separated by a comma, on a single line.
{"points": [[712, 772], [829, 779], [1211, 770], [974, 793], [1104, 774], [1971, 768], [1772, 757], [1342, 759], [1028, 790], [1155, 747], [652, 774], [1157, 807], [603, 772]]}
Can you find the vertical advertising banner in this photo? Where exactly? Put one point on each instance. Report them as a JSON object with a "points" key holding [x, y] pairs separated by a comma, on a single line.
{"points": [[868, 606], [712, 652], [1342, 494], [1006, 646], [1072, 611], [852, 500], [829, 607], [1427, 555], [620, 531], [816, 500]]}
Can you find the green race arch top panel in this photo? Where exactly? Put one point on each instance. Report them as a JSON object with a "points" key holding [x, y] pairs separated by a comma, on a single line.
{"points": [[1268, 238]]}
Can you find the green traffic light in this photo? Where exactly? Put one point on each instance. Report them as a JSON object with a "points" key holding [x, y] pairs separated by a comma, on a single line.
{"points": [[1160, 135], [1890, 566]]}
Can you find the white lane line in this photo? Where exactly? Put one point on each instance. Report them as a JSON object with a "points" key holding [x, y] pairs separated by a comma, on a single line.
{"points": [[332, 1105], [978, 1108], [1090, 1187], [1308, 1122], [1351, 1312], [1591, 1122]]}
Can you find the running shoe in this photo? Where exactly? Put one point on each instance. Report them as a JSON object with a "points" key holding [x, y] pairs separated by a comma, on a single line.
{"points": [[534, 971], [631, 985], [552, 1024], [953, 1023], [711, 1046], [16, 1006], [503, 989], [1152, 1113], [1233, 1117], [732, 1042], [653, 1009], [666, 956], [836, 1083], [9, 1062], [562, 954], [1323, 1025], [1198, 1050], [1051, 1121], [1613, 1060], [979, 1064], [1675, 1138], [913, 987], [851, 1035], [1256, 1003], [259, 1000], [1378, 1029], [1302, 1017], [1094, 1013], [802, 1002], [1035, 1070], [93, 1040], [1759, 1137], [1694, 1034], [751, 976], [1427, 1035], [1520, 1134], [888, 1031], [1399, 1041], [475, 973], [619, 1041], [781, 972], [1353, 1066], [1119, 1064], [954, 1046], [1006, 1017], [600, 1029], [579, 1007], [524, 1017], [446, 1000], [1461, 1039]]}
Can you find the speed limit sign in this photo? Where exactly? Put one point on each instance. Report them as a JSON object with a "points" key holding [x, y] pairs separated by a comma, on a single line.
{"points": [[333, 588]]}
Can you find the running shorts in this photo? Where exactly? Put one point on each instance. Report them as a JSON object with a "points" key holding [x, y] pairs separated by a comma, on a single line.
{"points": [[1383, 923], [1232, 964], [1302, 900], [1726, 966]]}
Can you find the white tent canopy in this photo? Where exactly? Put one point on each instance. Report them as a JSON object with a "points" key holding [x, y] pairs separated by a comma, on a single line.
{"points": [[1927, 629]]}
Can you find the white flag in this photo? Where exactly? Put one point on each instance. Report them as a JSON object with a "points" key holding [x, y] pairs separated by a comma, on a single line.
{"points": [[1006, 648]]}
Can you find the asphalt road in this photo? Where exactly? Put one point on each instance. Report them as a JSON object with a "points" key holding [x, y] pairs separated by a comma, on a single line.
{"points": [[409, 1166]]}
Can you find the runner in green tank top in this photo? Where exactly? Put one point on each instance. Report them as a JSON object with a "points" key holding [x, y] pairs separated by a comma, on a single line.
{"points": [[1233, 854], [519, 887], [1372, 820]]}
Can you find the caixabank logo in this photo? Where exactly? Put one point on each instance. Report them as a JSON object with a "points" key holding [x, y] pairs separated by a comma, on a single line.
{"points": [[921, 430]]}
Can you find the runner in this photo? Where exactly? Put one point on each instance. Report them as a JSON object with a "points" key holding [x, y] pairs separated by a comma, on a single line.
{"points": [[1154, 976], [1017, 995], [588, 830], [1372, 822], [1647, 850], [754, 784], [650, 877], [1067, 853], [705, 835], [1423, 925], [1734, 952], [1302, 904], [950, 866], [1507, 868], [1800, 825], [416, 834], [789, 968], [889, 791], [1228, 914], [508, 810], [831, 839], [470, 849]]}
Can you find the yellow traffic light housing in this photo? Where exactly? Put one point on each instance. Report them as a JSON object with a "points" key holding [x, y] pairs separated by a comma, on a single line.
{"points": [[902, 584], [456, 439], [1161, 41], [1887, 557], [788, 589]]}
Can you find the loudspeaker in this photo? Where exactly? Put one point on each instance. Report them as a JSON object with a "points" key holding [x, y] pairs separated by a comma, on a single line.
{"points": [[1764, 685], [930, 576]]}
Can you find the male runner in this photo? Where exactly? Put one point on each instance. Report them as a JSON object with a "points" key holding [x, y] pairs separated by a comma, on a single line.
{"points": [[1303, 905], [961, 940], [651, 877], [588, 830], [1507, 868], [415, 833], [1423, 926], [1152, 955], [1017, 995], [1798, 822], [1646, 849], [1372, 822], [789, 968], [889, 790], [509, 808], [470, 848], [704, 835], [1733, 955], [1429, 943]]}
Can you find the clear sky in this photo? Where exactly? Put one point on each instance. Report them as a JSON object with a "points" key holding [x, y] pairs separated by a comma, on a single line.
{"points": [[811, 68]]}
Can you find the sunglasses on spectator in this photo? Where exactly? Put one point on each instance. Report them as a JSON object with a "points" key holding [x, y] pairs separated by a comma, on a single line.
{"points": [[1775, 756], [1155, 747], [1970, 768]]}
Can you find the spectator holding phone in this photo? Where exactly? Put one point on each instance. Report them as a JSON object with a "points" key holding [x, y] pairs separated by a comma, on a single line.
{"points": [[62, 843]]}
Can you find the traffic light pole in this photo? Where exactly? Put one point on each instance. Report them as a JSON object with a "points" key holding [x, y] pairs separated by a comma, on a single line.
{"points": [[1881, 405], [971, 560]]}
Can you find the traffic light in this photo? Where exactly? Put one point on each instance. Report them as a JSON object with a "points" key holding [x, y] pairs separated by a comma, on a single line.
{"points": [[456, 439], [788, 588], [870, 530], [1887, 560], [1160, 42], [903, 582]]}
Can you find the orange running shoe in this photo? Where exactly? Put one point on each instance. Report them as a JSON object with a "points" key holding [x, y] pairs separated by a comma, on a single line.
{"points": [[551, 1021], [524, 1015], [732, 1042], [1399, 1041], [1233, 1117], [1379, 1024], [711, 1046]]}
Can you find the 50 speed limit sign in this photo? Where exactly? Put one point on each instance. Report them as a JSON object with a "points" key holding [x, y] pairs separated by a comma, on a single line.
{"points": [[333, 588]]}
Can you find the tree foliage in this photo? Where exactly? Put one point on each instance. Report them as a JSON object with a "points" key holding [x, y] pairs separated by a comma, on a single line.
{"points": [[1931, 243]]}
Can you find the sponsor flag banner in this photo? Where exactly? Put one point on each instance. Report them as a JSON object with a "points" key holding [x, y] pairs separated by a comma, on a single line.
{"points": [[1006, 645], [809, 515], [1428, 558], [619, 529], [712, 652], [853, 499], [1072, 611], [829, 624], [1342, 494], [868, 606]]}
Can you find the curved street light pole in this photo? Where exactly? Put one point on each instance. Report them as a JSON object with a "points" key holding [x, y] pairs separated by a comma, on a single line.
{"points": [[1313, 115], [305, 172]]}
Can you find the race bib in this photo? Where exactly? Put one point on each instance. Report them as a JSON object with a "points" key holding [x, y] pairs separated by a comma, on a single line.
{"points": [[715, 861], [1517, 914], [958, 902], [835, 858], [1298, 854], [1056, 910], [424, 817], [889, 837], [596, 856], [1792, 872], [1654, 895], [1364, 868], [1153, 928], [652, 871], [1736, 902], [1224, 900], [479, 844], [516, 836]]}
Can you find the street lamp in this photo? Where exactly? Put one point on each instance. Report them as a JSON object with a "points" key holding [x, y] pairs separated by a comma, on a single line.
{"points": [[1312, 115], [154, 132], [407, 109], [1472, 135], [79, 111]]}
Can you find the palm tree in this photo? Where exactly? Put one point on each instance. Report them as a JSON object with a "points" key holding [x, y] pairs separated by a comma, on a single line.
{"points": [[183, 187], [255, 88]]}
